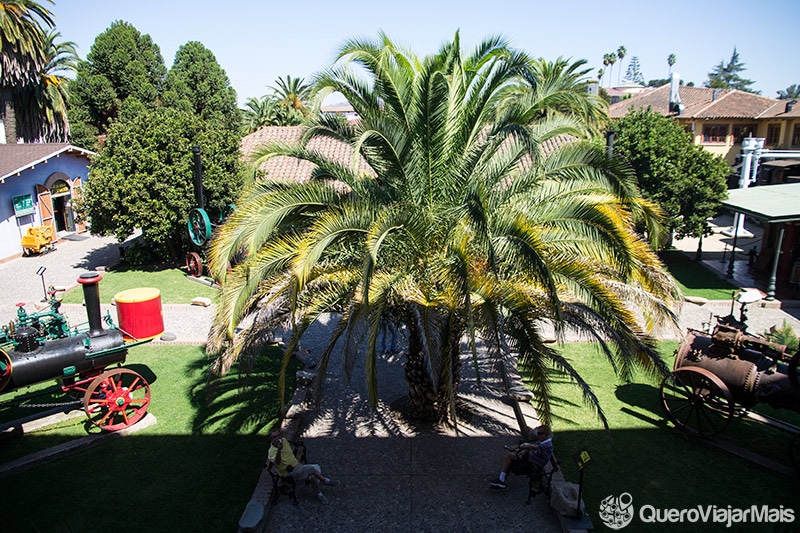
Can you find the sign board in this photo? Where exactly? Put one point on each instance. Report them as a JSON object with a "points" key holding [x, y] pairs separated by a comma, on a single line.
{"points": [[582, 458], [23, 205]]}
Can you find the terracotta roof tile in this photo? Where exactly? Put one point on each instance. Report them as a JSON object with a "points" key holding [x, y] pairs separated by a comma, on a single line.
{"points": [[699, 102]]}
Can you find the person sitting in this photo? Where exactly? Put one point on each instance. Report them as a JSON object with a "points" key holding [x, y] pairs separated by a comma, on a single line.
{"points": [[528, 455], [288, 463]]}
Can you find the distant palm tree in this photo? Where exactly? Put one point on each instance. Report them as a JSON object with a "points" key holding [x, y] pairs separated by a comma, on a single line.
{"points": [[606, 62], [292, 92], [621, 52], [23, 57], [792, 91], [260, 112], [671, 61], [468, 227], [612, 58]]}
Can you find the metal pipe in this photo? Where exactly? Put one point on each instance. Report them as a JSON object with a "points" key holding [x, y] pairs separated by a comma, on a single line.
{"points": [[733, 249], [91, 297], [198, 177]]}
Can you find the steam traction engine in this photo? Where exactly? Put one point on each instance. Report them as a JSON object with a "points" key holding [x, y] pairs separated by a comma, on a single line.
{"points": [[715, 372], [39, 347]]}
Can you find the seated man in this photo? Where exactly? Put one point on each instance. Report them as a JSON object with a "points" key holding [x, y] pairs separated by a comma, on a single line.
{"points": [[526, 456], [288, 463]]}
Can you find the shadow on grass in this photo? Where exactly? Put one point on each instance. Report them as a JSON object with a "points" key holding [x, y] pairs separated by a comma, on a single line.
{"points": [[242, 401], [693, 275]]}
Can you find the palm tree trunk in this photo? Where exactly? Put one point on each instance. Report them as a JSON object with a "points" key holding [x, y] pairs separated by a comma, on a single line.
{"points": [[427, 401], [9, 122]]}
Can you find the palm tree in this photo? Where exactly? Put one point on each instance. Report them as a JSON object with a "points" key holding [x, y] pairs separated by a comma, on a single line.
{"points": [[467, 229], [606, 61], [260, 112], [43, 108], [621, 52], [293, 93], [671, 61], [612, 58], [22, 54]]}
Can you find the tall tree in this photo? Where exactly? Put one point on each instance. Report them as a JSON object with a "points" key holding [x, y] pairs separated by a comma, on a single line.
{"points": [[607, 62], [294, 94], [671, 59], [687, 181], [468, 228], [123, 67], [197, 83], [621, 53], [143, 177], [23, 59], [612, 58], [792, 91], [727, 75], [634, 72]]}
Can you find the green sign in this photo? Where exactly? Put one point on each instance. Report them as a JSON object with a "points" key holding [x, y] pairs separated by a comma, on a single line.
{"points": [[23, 205]]}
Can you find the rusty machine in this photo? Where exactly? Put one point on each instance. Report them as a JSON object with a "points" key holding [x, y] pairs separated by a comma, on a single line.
{"points": [[721, 374], [41, 346]]}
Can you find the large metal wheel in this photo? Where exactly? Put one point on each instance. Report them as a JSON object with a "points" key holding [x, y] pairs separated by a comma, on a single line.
{"points": [[199, 226], [117, 399], [194, 264], [697, 401]]}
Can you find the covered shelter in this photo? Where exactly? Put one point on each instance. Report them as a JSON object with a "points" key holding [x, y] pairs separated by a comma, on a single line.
{"points": [[778, 207]]}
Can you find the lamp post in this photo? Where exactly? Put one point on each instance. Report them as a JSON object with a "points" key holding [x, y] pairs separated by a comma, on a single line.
{"points": [[40, 273]]}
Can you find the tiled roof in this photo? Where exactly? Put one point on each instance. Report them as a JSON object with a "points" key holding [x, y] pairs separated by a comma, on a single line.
{"points": [[699, 102], [14, 158], [282, 167]]}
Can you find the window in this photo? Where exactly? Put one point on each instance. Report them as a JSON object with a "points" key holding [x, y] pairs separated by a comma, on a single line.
{"points": [[742, 131], [796, 135], [715, 133], [774, 134]]}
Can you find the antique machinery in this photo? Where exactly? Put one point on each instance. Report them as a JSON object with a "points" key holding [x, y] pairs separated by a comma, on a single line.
{"points": [[713, 373], [39, 347]]}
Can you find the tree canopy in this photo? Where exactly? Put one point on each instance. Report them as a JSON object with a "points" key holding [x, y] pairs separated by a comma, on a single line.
{"points": [[122, 65], [687, 181], [143, 177], [728, 75], [484, 213]]}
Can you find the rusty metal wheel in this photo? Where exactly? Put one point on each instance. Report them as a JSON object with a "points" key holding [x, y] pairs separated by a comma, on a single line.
{"points": [[117, 399], [697, 401], [194, 264]]}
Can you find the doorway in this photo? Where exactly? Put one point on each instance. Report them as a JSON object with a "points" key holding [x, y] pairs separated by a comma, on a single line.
{"points": [[62, 211]]}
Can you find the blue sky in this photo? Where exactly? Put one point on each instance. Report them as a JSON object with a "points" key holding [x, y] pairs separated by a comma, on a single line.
{"points": [[258, 41]]}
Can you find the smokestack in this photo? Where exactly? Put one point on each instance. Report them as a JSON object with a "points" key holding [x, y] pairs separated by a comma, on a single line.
{"points": [[790, 105], [675, 105], [198, 178], [91, 297]]}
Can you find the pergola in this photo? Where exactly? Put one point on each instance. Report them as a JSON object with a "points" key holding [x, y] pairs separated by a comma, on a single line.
{"points": [[770, 204]]}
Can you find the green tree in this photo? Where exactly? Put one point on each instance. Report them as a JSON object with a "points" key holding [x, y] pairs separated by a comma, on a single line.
{"points": [[727, 75], [634, 72], [792, 91], [122, 65], [143, 177], [621, 53], [260, 112], [197, 83], [687, 181], [612, 58], [468, 228], [671, 59], [23, 60]]}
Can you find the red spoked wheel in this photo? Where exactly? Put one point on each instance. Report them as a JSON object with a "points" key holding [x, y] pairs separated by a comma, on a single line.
{"points": [[194, 264], [117, 399]]}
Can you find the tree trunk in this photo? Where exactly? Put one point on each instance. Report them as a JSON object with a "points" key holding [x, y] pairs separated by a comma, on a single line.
{"points": [[426, 401], [9, 122]]}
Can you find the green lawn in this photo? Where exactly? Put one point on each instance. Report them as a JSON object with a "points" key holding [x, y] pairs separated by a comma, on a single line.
{"points": [[175, 286], [694, 279], [643, 456], [194, 470]]}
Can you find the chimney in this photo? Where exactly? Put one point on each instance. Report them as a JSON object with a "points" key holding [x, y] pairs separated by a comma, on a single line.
{"points": [[790, 105], [675, 105], [715, 94], [91, 298]]}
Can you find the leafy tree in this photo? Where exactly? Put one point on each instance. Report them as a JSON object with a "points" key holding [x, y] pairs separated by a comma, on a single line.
{"points": [[24, 56], [197, 83], [687, 181], [122, 64], [143, 177], [468, 228], [634, 72], [792, 91], [727, 76]]}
